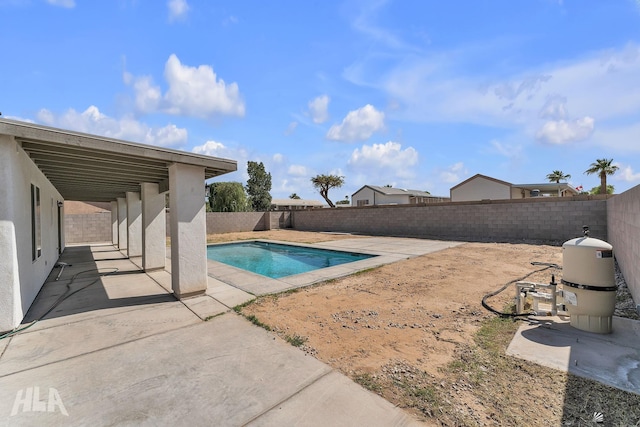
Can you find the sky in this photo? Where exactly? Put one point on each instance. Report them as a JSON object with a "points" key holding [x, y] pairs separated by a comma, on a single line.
{"points": [[417, 94]]}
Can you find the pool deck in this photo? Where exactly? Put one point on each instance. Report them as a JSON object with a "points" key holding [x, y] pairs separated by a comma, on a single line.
{"points": [[123, 351]]}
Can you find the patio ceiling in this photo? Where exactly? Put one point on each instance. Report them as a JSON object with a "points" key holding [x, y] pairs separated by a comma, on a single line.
{"points": [[91, 168]]}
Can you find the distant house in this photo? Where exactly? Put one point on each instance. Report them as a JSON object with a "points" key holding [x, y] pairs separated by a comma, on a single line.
{"points": [[482, 187], [294, 204], [374, 195]]}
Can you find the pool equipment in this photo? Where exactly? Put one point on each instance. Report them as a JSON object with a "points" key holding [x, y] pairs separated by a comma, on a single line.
{"points": [[588, 279], [588, 296], [545, 293]]}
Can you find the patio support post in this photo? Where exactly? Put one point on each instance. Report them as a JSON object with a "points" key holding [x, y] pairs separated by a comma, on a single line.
{"points": [[114, 223], [122, 223], [188, 230], [154, 226], [134, 224]]}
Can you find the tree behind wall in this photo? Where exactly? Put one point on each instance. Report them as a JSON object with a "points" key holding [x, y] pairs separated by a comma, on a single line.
{"points": [[596, 190], [557, 176], [227, 197], [323, 183], [258, 187], [602, 168]]}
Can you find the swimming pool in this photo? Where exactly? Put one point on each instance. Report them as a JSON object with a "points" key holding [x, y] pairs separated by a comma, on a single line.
{"points": [[277, 260]]}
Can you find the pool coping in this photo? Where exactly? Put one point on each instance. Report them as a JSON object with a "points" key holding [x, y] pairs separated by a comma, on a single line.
{"points": [[258, 285]]}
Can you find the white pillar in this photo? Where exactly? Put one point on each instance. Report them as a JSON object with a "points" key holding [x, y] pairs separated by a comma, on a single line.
{"points": [[154, 228], [188, 230], [134, 224], [122, 223], [114, 223]]}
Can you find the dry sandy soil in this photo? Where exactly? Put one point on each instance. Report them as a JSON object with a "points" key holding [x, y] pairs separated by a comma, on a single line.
{"points": [[416, 333]]}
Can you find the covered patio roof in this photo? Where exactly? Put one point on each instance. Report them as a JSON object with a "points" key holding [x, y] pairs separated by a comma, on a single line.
{"points": [[91, 168]]}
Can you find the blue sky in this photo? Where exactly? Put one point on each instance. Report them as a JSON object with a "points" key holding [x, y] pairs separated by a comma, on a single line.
{"points": [[418, 94]]}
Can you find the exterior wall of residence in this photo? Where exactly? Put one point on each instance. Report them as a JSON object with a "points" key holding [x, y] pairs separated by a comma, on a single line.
{"points": [[364, 194], [376, 198], [539, 219], [481, 189], [396, 199], [20, 277], [88, 228], [519, 193], [623, 223]]}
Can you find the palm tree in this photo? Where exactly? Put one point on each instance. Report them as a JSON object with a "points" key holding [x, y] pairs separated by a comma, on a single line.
{"points": [[602, 167], [557, 176]]}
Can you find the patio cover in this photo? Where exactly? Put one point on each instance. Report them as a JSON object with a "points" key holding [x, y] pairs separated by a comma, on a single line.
{"points": [[91, 168]]}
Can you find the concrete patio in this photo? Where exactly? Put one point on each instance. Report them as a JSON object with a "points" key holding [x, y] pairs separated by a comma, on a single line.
{"points": [[121, 350], [612, 359]]}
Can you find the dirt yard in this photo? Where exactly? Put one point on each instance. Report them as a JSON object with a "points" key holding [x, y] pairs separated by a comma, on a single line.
{"points": [[415, 332]]}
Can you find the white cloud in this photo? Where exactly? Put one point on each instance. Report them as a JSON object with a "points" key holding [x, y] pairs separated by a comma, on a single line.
{"points": [[148, 96], [431, 86], [193, 91], [562, 131], [277, 158], [318, 107], [93, 121], [198, 92], [453, 174], [298, 170], [218, 149], [626, 173], [291, 128], [69, 4], [554, 108], [178, 9], [384, 161], [359, 125]]}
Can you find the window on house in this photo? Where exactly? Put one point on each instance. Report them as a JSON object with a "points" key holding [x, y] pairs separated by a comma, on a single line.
{"points": [[36, 235], [363, 202]]}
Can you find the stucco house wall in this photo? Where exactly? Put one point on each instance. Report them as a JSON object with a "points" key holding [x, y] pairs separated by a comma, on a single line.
{"points": [[519, 193], [480, 188], [364, 194], [392, 199], [378, 198], [20, 277]]}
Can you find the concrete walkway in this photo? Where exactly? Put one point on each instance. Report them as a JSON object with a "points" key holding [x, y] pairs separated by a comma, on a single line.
{"points": [[122, 351], [612, 359]]}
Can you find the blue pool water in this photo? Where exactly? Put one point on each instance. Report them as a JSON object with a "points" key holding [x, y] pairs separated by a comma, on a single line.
{"points": [[276, 260]]}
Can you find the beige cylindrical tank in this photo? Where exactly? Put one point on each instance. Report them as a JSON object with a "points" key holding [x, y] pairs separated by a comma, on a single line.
{"points": [[589, 288]]}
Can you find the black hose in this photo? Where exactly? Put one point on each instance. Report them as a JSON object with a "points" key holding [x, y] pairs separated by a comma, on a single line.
{"points": [[59, 301], [547, 265]]}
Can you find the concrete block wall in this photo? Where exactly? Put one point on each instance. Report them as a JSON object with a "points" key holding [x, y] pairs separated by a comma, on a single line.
{"points": [[86, 228], [623, 222], [279, 220], [231, 222], [546, 220]]}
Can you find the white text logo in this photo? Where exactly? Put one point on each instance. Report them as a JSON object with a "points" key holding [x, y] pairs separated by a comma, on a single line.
{"points": [[29, 399]]}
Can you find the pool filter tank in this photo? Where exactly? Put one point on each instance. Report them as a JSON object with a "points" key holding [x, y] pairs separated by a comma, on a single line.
{"points": [[588, 278]]}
